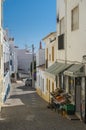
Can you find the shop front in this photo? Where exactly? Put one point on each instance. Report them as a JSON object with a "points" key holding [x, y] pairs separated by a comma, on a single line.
{"points": [[76, 88]]}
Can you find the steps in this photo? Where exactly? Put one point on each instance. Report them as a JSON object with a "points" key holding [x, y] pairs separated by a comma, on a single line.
{"points": [[72, 117]]}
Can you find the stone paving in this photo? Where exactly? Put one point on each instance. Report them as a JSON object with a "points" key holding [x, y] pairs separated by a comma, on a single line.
{"points": [[25, 110]]}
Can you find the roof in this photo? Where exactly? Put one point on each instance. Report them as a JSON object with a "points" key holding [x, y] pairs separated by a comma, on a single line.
{"points": [[48, 35], [42, 67]]}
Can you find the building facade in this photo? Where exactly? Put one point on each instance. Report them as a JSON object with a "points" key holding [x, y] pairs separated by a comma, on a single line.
{"points": [[71, 24], [40, 68], [24, 60], [13, 60], [71, 28], [1, 54], [4, 60], [6, 66], [50, 59]]}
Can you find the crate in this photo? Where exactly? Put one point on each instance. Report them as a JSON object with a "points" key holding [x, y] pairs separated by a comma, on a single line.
{"points": [[70, 109]]}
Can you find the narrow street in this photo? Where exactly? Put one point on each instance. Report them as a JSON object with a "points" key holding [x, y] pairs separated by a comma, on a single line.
{"points": [[25, 110]]}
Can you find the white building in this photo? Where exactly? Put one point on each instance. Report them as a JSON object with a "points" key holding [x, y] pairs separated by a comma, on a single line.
{"points": [[4, 60], [50, 62], [13, 59], [40, 56], [72, 24], [71, 27], [6, 66], [40, 68], [24, 60]]}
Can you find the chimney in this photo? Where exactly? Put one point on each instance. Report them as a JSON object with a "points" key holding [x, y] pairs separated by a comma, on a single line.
{"points": [[40, 45]]}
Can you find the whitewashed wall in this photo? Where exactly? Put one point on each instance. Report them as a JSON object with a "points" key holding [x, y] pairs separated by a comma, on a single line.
{"points": [[49, 45], [61, 12], [6, 69], [40, 57], [75, 42], [51, 80], [40, 80], [12, 55], [24, 59]]}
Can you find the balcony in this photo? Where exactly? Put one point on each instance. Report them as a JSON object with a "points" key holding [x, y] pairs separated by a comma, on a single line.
{"points": [[61, 42]]}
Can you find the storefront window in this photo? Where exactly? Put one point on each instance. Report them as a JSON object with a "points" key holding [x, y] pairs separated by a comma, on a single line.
{"points": [[62, 81], [71, 85]]}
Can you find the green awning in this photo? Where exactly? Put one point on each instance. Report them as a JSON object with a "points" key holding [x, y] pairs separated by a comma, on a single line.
{"points": [[57, 68], [62, 68], [75, 70]]}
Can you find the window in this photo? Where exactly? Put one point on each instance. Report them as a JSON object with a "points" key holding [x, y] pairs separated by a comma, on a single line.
{"points": [[46, 84], [11, 62], [6, 68], [71, 85], [47, 53], [49, 86], [39, 80], [52, 86], [1, 50], [57, 18], [75, 18], [52, 53], [61, 42], [46, 57], [43, 85], [61, 36], [62, 26], [46, 63], [49, 57]]}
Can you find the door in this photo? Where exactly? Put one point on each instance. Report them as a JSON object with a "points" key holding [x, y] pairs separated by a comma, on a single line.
{"points": [[78, 96]]}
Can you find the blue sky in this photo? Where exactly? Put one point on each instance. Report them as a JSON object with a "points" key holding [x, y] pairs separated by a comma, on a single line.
{"points": [[28, 21]]}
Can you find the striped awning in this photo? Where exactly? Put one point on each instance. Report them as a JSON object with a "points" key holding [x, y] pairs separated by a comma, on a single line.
{"points": [[57, 68], [76, 70]]}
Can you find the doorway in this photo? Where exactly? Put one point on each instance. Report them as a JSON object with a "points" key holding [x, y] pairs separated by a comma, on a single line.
{"points": [[78, 96]]}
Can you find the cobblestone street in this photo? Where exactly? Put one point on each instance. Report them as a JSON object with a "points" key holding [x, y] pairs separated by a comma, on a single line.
{"points": [[25, 110]]}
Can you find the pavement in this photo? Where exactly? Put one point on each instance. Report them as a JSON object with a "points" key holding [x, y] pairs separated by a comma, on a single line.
{"points": [[25, 110]]}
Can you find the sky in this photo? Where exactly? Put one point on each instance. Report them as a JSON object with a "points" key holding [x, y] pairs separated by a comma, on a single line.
{"points": [[29, 21]]}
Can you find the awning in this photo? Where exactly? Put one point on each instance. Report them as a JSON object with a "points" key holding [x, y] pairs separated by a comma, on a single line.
{"points": [[75, 70], [57, 68]]}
